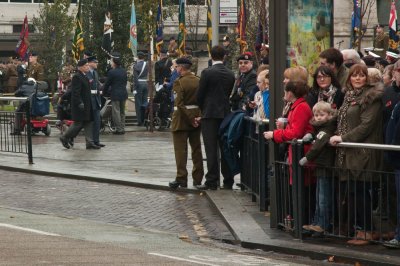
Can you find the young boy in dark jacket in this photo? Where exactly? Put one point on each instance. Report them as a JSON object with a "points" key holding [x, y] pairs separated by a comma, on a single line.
{"points": [[323, 155]]}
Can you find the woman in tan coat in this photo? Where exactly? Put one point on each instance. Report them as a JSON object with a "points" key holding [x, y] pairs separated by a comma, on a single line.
{"points": [[359, 120]]}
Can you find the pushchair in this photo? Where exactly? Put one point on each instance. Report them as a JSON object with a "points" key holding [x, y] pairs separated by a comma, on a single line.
{"points": [[40, 107], [162, 107]]}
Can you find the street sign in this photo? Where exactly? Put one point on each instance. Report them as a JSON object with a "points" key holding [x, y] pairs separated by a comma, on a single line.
{"points": [[228, 12]]}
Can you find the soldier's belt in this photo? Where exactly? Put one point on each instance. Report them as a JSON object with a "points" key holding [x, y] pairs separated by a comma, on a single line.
{"points": [[187, 107], [93, 91], [144, 80]]}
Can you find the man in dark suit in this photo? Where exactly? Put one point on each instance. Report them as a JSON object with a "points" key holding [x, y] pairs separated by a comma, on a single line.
{"points": [[115, 87], [93, 77], [162, 68], [216, 83], [185, 125], [81, 108]]}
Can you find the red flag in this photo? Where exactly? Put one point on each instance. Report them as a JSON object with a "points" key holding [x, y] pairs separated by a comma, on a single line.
{"points": [[393, 37], [23, 43], [241, 27]]}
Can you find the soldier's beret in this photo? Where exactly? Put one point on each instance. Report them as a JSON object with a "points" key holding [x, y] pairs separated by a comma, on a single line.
{"points": [[92, 59], [82, 62], [141, 54], [183, 61], [34, 54], [245, 57], [163, 51], [88, 53]]}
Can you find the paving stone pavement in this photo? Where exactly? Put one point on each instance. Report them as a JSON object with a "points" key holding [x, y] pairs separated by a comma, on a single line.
{"points": [[186, 214]]}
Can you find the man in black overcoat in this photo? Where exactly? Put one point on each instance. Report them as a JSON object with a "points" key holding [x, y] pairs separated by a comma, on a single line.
{"points": [[216, 83]]}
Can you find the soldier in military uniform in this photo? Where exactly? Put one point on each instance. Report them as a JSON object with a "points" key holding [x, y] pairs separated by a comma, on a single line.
{"points": [[240, 96], [194, 60], [2, 76], [173, 48], [186, 125], [11, 77], [381, 42], [35, 70], [228, 52]]}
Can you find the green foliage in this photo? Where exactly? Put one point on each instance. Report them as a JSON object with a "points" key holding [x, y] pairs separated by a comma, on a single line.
{"points": [[93, 14], [55, 26]]}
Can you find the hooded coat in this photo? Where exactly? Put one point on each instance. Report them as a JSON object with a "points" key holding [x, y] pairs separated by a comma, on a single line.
{"points": [[364, 117]]}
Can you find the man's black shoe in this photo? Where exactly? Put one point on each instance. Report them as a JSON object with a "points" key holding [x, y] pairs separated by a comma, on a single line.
{"points": [[227, 187], [119, 132], [15, 133], [64, 142], [175, 184], [71, 142], [100, 145], [206, 187], [92, 146]]}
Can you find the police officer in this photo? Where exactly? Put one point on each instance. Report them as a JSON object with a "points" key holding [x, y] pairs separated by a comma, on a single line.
{"points": [[35, 70], [186, 125]]}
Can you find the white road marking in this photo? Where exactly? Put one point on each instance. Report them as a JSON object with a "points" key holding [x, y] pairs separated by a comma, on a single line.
{"points": [[182, 259], [27, 229]]}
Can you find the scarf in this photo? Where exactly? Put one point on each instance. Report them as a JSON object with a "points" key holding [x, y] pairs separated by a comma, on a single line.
{"points": [[327, 95], [343, 126]]}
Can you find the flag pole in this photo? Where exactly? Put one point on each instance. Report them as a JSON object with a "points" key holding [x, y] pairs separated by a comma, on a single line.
{"points": [[215, 22]]}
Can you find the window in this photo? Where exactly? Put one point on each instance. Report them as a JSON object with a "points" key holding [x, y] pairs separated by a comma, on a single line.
{"points": [[18, 28], [20, 1]]}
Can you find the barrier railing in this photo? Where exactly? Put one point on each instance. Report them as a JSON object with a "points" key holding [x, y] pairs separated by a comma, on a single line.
{"points": [[254, 173], [9, 122], [358, 203]]}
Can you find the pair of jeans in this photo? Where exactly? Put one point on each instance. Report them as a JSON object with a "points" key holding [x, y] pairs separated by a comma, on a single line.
{"points": [[323, 208]]}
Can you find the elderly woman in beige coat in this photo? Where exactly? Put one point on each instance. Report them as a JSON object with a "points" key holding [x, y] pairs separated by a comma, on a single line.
{"points": [[359, 120]]}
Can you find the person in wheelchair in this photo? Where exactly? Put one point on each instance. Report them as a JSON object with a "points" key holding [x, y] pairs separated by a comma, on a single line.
{"points": [[26, 90], [163, 99]]}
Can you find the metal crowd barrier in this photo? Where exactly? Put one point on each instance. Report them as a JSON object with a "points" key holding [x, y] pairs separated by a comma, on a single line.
{"points": [[363, 202], [254, 159], [16, 143]]}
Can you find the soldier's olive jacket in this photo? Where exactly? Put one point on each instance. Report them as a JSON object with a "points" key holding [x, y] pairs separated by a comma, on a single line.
{"points": [[36, 71], [185, 110]]}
